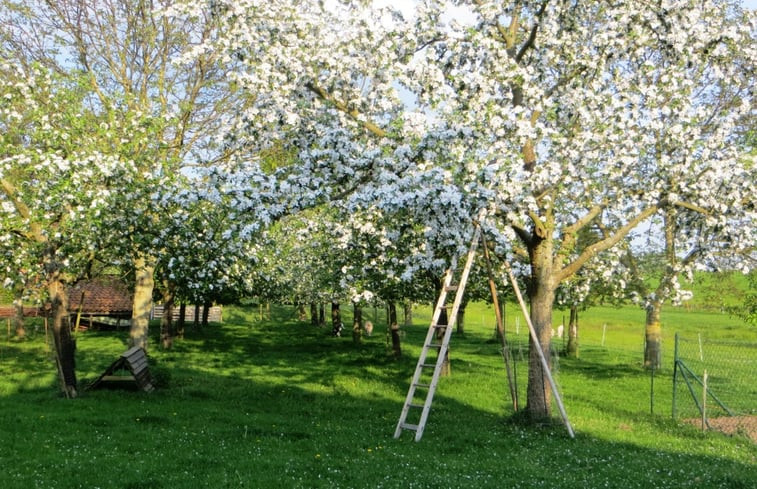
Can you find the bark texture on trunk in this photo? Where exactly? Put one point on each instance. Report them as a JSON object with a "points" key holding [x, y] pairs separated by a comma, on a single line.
{"points": [[394, 330], [541, 294], [336, 319], [167, 332], [302, 314], [446, 370], [460, 326], [181, 324], [572, 348], [18, 318], [407, 310], [357, 324], [653, 336], [65, 345], [143, 289], [314, 314], [206, 312]]}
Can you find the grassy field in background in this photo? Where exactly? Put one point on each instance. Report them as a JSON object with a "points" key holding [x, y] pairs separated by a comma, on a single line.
{"points": [[280, 403]]}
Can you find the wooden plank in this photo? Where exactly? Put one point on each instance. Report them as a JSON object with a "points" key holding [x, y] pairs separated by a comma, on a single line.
{"points": [[135, 361], [131, 351], [118, 378], [138, 365]]}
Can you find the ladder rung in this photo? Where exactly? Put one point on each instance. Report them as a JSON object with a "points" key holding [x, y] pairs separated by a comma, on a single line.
{"points": [[438, 337]]}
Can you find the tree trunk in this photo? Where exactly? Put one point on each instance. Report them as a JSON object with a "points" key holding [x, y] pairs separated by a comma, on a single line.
{"points": [[196, 315], [394, 330], [302, 314], [357, 324], [65, 346], [542, 296], [166, 322], [142, 307], [314, 314], [18, 315], [407, 309], [572, 348], [444, 319], [336, 320], [182, 320], [206, 312], [652, 326], [322, 314], [461, 319], [653, 336]]}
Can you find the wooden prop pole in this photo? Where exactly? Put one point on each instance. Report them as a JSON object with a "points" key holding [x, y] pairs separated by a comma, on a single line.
{"points": [[500, 325], [539, 351]]}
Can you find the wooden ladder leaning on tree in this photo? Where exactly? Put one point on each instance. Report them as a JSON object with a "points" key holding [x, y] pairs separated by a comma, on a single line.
{"points": [[429, 367]]}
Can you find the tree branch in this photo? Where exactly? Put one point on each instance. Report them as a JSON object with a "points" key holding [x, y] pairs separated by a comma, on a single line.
{"points": [[341, 106], [23, 210], [603, 244], [691, 207], [523, 234], [532, 35]]}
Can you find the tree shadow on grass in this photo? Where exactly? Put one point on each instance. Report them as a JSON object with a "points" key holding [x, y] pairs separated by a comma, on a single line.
{"points": [[596, 369], [312, 412]]}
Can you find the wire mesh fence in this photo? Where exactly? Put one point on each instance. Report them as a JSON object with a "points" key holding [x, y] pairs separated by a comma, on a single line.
{"points": [[730, 404], [714, 384]]}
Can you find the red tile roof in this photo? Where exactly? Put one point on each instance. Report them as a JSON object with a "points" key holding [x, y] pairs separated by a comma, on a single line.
{"points": [[105, 295], [10, 311]]}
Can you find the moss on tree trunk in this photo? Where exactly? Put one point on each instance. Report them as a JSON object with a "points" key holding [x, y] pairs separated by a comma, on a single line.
{"points": [[653, 336]]}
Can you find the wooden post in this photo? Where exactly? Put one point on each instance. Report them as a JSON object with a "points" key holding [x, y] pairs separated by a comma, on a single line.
{"points": [[500, 325]]}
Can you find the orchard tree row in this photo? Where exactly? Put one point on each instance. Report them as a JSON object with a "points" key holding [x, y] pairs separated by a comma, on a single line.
{"points": [[342, 150]]}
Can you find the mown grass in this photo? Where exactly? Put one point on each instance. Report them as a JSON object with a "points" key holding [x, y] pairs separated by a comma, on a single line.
{"points": [[278, 403]]}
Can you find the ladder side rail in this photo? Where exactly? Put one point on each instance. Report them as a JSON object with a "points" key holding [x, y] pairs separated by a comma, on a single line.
{"points": [[424, 350], [448, 334], [458, 300], [434, 320], [440, 304]]}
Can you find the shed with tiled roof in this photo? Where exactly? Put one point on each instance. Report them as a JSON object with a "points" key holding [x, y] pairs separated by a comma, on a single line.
{"points": [[103, 296]]}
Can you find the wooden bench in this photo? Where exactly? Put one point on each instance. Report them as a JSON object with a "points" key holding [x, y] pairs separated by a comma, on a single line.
{"points": [[133, 360]]}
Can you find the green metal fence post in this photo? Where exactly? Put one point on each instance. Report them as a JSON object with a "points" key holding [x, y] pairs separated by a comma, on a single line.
{"points": [[675, 374]]}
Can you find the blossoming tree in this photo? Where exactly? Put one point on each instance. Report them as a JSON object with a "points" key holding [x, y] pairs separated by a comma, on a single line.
{"points": [[126, 51], [55, 190], [553, 116]]}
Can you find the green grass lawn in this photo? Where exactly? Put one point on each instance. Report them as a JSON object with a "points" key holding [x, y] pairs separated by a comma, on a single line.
{"points": [[279, 403]]}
